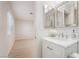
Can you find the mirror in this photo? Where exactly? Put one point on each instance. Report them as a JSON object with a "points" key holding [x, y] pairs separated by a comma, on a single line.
{"points": [[67, 14], [49, 17], [59, 17], [63, 14], [70, 14]]}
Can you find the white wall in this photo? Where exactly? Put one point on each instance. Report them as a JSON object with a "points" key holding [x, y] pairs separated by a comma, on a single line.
{"points": [[39, 29], [24, 29], [24, 20], [6, 41]]}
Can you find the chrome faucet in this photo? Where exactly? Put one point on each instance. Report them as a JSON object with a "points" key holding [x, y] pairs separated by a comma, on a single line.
{"points": [[73, 31], [73, 34], [62, 35]]}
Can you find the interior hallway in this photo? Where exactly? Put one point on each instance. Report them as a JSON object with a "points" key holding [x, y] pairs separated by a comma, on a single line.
{"points": [[22, 49]]}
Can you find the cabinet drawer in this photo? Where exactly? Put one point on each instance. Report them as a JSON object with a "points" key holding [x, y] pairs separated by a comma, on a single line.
{"points": [[52, 55], [50, 47]]}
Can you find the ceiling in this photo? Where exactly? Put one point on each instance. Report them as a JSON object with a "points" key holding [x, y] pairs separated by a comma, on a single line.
{"points": [[23, 10]]}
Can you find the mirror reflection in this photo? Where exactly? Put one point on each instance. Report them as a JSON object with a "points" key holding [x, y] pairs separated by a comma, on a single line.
{"points": [[49, 16], [63, 14]]}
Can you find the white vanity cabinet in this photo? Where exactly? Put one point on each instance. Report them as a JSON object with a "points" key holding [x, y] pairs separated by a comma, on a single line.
{"points": [[52, 50], [78, 46]]}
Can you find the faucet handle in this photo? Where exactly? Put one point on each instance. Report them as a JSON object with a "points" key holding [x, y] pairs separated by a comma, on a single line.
{"points": [[58, 34], [73, 30], [66, 36], [62, 35]]}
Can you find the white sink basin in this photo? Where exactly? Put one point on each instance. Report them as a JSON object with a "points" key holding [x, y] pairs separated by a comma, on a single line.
{"points": [[61, 42]]}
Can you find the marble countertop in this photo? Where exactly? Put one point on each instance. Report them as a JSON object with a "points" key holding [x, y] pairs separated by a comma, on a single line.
{"points": [[61, 42]]}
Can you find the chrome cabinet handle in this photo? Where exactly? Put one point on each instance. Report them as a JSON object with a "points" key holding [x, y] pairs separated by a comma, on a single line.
{"points": [[35, 37], [49, 48]]}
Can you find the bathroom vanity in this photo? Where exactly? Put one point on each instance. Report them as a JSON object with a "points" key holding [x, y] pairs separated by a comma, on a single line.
{"points": [[58, 48], [63, 21]]}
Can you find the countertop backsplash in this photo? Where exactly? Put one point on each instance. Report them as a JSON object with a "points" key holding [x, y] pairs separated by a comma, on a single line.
{"points": [[69, 33], [65, 33]]}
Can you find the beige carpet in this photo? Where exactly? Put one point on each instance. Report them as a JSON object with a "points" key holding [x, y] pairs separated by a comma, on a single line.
{"points": [[22, 49]]}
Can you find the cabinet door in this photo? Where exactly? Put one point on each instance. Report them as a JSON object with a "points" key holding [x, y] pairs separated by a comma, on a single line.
{"points": [[51, 50], [78, 47], [71, 49], [47, 52]]}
